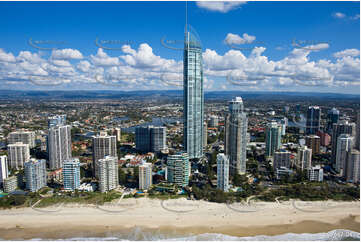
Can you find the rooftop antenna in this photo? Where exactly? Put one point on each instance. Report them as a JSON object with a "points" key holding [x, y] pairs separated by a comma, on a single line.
{"points": [[186, 16]]}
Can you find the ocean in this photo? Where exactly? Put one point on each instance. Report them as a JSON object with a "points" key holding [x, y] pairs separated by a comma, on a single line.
{"points": [[138, 234]]}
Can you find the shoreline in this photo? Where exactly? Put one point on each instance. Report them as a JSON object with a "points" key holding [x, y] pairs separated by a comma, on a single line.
{"points": [[135, 219]]}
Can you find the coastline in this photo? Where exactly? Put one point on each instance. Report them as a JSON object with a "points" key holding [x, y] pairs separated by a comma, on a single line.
{"points": [[177, 218]]}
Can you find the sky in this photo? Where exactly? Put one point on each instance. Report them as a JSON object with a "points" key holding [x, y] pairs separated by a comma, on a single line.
{"points": [[247, 46]]}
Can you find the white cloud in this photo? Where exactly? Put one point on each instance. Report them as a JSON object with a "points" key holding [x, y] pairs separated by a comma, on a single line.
{"points": [[219, 6], [141, 68], [347, 52], [144, 58], [83, 66], [102, 59], [339, 15], [236, 39], [66, 54], [6, 57]]}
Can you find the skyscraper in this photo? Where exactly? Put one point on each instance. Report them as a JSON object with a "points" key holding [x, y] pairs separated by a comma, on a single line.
{"points": [[145, 176], [357, 143], [35, 173], [4, 170], [304, 157], [235, 142], [352, 173], [103, 145], [342, 127], [25, 137], [178, 169], [344, 145], [59, 144], [213, 121], [118, 133], [333, 116], [71, 174], [313, 142], [108, 173], [313, 119], [222, 172], [205, 137], [150, 138], [193, 97], [273, 138], [157, 138], [18, 154], [281, 158], [142, 139], [325, 138]]}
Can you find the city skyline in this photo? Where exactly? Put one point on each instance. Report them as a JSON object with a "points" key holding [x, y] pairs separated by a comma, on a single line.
{"points": [[250, 57]]}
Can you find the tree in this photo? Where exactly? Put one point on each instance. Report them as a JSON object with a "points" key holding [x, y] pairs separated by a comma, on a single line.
{"points": [[136, 175], [122, 176]]}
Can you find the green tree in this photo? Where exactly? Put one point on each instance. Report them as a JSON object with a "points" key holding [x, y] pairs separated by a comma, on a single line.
{"points": [[122, 176]]}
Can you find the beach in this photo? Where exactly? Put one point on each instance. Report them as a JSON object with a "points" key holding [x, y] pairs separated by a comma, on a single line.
{"points": [[177, 217]]}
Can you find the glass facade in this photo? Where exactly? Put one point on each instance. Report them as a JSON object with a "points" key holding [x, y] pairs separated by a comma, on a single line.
{"points": [[235, 147], [193, 96], [71, 174]]}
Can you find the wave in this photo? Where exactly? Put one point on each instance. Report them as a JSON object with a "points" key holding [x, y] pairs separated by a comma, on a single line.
{"points": [[138, 234]]}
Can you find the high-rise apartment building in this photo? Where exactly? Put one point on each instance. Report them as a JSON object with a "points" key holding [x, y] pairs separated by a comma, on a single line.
{"points": [[18, 154], [333, 116], [313, 142], [35, 174], [325, 138], [108, 173], [25, 137], [352, 173], [342, 127], [344, 145], [357, 143], [10, 184], [71, 174], [313, 119], [193, 96], [157, 139], [205, 136], [213, 121], [273, 138], [145, 176], [150, 138], [59, 145], [235, 136], [103, 145], [4, 170], [315, 173], [118, 133], [304, 157], [178, 169], [281, 158], [222, 172]]}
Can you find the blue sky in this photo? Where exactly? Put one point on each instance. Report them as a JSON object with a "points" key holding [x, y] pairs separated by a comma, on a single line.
{"points": [[256, 46]]}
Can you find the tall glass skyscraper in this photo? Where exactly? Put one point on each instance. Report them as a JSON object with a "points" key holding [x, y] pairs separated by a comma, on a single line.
{"points": [[193, 96], [235, 136], [273, 138], [313, 119]]}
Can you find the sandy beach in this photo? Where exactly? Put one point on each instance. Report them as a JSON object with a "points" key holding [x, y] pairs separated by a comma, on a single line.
{"points": [[178, 217]]}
